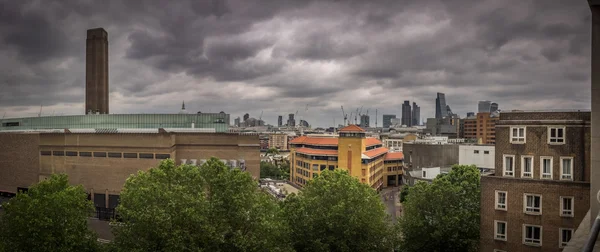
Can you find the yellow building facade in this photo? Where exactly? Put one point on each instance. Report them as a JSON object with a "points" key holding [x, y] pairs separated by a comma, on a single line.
{"points": [[363, 158]]}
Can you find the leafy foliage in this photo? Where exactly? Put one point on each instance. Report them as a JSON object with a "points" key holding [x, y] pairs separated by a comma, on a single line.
{"points": [[269, 170], [335, 212], [187, 208], [443, 215], [404, 193], [51, 216]]}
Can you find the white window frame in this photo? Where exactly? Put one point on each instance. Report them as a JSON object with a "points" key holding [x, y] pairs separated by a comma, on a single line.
{"points": [[497, 204], [562, 174], [518, 139], [542, 167], [561, 243], [496, 234], [525, 210], [525, 234], [563, 138], [562, 210], [523, 166], [504, 172]]}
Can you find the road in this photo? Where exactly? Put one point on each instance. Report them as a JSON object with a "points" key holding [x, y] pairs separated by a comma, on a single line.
{"points": [[389, 197]]}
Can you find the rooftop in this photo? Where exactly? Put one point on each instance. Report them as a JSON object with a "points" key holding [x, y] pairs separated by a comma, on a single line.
{"points": [[351, 128], [394, 156]]}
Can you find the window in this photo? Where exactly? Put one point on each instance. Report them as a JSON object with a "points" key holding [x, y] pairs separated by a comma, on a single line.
{"points": [[509, 165], [532, 235], [315, 167], [424, 174], [566, 168], [566, 206], [565, 236], [476, 151], [58, 153], [500, 200], [517, 135], [115, 154], [45, 153], [526, 166], [331, 167], [147, 155], [323, 167], [99, 154], [532, 203], [500, 230], [163, 156], [486, 152], [71, 153], [556, 135], [130, 155], [85, 154], [546, 167]]}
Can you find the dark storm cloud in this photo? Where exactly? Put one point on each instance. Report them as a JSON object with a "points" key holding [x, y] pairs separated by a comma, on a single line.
{"points": [[279, 55]]}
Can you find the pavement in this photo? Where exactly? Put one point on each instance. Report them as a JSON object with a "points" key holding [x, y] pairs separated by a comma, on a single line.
{"points": [[391, 201]]}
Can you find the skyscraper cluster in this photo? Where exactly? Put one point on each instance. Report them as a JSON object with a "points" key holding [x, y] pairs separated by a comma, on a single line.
{"points": [[487, 107], [410, 116]]}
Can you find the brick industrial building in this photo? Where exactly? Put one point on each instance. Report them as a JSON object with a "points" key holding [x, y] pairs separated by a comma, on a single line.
{"points": [[481, 127], [541, 188]]}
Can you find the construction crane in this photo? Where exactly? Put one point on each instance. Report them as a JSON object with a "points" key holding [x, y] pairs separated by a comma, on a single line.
{"points": [[356, 117], [344, 115], [360, 113], [350, 119], [375, 118], [260, 117]]}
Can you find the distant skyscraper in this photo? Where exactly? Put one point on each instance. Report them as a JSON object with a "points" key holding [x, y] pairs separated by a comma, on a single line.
{"points": [[236, 122], [440, 106], [364, 121], [291, 122], [416, 114], [246, 116], [484, 106], [406, 114], [96, 71], [449, 111], [387, 120], [279, 121], [494, 107], [470, 114]]}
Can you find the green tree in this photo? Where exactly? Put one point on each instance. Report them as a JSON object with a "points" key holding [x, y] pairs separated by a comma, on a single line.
{"points": [[51, 216], [404, 193], [443, 215], [269, 170], [335, 212], [190, 208]]}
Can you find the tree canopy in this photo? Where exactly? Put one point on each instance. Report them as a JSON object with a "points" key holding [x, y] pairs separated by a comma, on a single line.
{"points": [[443, 215], [190, 208], [335, 212], [51, 216]]}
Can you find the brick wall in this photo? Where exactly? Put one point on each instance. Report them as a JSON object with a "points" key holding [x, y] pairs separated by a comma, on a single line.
{"points": [[430, 155], [19, 161], [550, 220]]}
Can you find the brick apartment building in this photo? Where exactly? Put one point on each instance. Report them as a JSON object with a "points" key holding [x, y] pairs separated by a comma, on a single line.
{"points": [[540, 191], [278, 141], [481, 127]]}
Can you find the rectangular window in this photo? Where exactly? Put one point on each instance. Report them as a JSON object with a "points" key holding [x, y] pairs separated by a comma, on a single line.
{"points": [[486, 152], [527, 166], [130, 155], [566, 206], [500, 200], [532, 235], [71, 153], [58, 153], [546, 167], [46, 153], [147, 155], [517, 135], [566, 168], [509, 165], [323, 167], [163, 156], [532, 204], [565, 236], [85, 154], [500, 230], [99, 154], [331, 167], [315, 167], [115, 155], [475, 152], [556, 135]]}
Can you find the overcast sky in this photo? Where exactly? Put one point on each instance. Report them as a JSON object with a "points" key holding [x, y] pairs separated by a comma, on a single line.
{"points": [[243, 56]]}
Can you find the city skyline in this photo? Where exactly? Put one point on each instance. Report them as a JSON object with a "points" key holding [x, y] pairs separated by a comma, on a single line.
{"points": [[245, 59]]}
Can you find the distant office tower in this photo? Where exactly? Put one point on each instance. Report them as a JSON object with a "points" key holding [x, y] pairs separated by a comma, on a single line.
{"points": [[387, 120], [291, 122], [246, 116], [449, 111], [484, 106], [96, 71], [494, 107], [416, 114], [364, 121], [236, 121], [470, 114], [406, 114], [441, 110], [279, 121]]}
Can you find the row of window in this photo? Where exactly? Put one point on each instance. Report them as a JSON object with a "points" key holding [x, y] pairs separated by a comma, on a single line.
{"points": [[484, 152], [546, 167], [300, 155], [532, 234], [556, 135], [102, 154], [532, 204]]}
